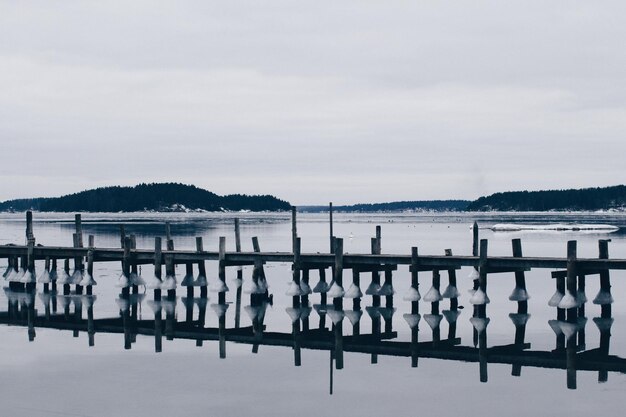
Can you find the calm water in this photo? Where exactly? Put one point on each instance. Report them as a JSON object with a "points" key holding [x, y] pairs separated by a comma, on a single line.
{"points": [[58, 373]]}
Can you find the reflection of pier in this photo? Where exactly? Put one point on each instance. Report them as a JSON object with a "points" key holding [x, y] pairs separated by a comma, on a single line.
{"points": [[568, 353]]}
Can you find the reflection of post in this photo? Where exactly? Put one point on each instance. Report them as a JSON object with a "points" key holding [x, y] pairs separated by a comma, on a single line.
{"points": [[604, 325], [91, 328], [158, 330], [571, 361], [126, 325], [339, 344], [375, 331], [31, 318], [297, 354], [222, 335]]}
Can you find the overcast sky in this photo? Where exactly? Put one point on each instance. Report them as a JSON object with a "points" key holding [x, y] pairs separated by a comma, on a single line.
{"points": [[313, 101]]}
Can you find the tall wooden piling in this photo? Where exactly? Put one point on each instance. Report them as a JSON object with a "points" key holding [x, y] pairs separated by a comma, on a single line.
{"points": [[294, 228], [605, 280], [222, 269], [338, 301], [239, 277], [454, 301], [201, 267], [414, 278], [520, 276], [126, 265], [91, 244], [296, 271], [571, 278], [158, 262], [330, 221]]}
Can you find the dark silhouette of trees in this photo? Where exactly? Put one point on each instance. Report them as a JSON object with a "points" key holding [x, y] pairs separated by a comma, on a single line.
{"points": [[158, 197], [559, 200]]}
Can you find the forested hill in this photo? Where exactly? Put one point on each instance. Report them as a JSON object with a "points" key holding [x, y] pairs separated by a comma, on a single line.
{"points": [[559, 200], [142, 197], [430, 205]]}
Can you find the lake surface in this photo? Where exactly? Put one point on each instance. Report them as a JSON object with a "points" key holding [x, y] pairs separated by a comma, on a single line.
{"points": [[51, 369]]}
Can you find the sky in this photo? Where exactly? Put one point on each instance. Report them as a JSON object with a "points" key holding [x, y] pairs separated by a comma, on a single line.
{"points": [[313, 101]]}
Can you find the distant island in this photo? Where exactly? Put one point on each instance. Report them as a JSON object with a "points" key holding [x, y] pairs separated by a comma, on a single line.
{"points": [[175, 197], [397, 206], [160, 197], [585, 199]]}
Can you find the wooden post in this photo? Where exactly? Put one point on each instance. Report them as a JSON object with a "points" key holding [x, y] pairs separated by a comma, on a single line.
{"points": [[126, 264], [571, 278], [454, 301], [482, 272], [475, 243], [134, 268], [294, 230], [356, 280], [53, 285], [189, 271], [222, 268], [239, 277], [79, 229], [78, 263], [434, 306], [201, 266], [560, 287], [91, 243], [305, 279], [338, 301], [414, 278], [323, 296], [389, 281], [30, 263], [605, 279], [330, 221], [29, 226], [520, 277], [158, 261], [46, 286], [66, 287], [375, 246], [295, 301], [256, 271]]}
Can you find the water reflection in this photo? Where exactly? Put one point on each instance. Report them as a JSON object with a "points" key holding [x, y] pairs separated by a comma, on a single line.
{"points": [[337, 331]]}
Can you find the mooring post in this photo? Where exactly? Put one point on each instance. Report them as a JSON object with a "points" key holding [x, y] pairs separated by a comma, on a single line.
{"points": [[604, 297], [78, 268], [338, 301], [29, 226], [296, 272], [375, 246], [356, 280], [126, 266], [30, 264], [158, 262], [91, 243], [46, 286], [239, 277], [330, 221], [414, 279], [294, 228], [454, 301], [222, 269], [201, 269], [305, 280], [475, 243], [571, 278], [53, 285], [482, 274], [323, 296], [256, 272], [66, 286], [134, 267], [520, 277]]}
